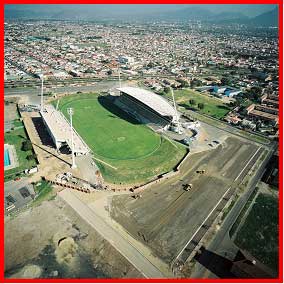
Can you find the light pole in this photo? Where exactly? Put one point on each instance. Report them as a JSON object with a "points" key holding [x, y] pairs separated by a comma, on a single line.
{"points": [[41, 94], [119, 76], [177, 118], [71, 112]]}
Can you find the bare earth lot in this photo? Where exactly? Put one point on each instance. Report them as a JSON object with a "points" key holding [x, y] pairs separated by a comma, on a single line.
{"points": [[166, 216], [52, 241]]}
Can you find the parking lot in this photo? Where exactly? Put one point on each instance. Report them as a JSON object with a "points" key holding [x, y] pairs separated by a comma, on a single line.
{"points": [[17, 195]]}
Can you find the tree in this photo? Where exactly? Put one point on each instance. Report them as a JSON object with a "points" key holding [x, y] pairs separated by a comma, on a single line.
{"points": [[225, 81], [255, 93], [30, 157], [183, 83], [27, 145], [167, 89], [195, 83], [200, 106], [192, 102]]}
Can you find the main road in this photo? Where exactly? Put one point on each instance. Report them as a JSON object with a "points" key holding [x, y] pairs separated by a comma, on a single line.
{"points": [[33, 94]]}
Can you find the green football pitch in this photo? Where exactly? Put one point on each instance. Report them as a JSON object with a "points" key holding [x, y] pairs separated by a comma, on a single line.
{"points": [[125, 150]]}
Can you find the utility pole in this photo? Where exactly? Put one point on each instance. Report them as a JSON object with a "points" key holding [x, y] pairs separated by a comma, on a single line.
{"points": [[71, 112]]}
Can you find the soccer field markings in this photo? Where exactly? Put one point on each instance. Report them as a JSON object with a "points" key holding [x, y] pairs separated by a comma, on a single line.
{"points": [[105, 163], [169, 141]]}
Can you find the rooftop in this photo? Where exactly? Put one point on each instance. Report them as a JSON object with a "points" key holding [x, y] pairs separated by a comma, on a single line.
{"points": [[154, 101], [61, 130]]}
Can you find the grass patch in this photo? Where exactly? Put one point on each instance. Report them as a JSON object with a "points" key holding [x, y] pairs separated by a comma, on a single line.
{"points": [[212, 106], [243, 212], [143, 169], [16, 138], [18, 123], [259, 233], [116, 138], [43, 191]]}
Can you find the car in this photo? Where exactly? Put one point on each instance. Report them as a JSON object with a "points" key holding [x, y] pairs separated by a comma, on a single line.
{"points": [[17, 179], [211, 145], [216, 142]]}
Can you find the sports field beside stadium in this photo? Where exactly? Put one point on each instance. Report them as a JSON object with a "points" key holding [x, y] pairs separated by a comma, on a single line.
{"points": [[130, 152]]}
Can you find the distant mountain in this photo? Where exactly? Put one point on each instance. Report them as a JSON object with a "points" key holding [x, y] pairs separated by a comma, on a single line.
{"points": [[204, 13], [191, 13], [266, 19]]}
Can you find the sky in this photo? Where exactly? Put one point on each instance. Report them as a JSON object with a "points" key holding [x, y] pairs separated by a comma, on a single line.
{"points": [[123, 9]]}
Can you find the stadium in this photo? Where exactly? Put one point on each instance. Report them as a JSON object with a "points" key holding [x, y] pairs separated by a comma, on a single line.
{"points": [[114, 130]]}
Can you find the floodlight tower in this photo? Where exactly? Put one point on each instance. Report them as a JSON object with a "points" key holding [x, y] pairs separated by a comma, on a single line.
{"points": [[70, 111], [177, 118], [41, 93], [57, 104], [119, 76]]}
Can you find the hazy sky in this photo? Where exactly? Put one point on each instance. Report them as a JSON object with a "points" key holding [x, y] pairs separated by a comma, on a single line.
{"points": [[248, 10]]}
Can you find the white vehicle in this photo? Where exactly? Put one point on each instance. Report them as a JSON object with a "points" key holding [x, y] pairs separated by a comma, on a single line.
{"points": [[10, 207]]}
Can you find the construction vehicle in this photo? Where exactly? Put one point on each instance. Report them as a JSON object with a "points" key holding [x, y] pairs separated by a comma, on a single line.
{"points": [[135, 196], [187, 186]]}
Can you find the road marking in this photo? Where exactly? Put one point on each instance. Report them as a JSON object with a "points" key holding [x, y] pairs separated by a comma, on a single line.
{"points": [[203, 223], [247, 164]]}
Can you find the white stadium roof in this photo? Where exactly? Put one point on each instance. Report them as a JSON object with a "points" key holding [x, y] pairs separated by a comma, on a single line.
{"points": [[61, 130], [154, 101]]}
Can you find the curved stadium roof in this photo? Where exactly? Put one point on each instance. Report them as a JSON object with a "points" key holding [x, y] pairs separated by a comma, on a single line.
{"points": [[154, 101]]}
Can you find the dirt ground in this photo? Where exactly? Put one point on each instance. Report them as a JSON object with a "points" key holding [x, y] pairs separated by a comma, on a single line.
{"points": [[10, 111], [166, 216], [52, 241]]}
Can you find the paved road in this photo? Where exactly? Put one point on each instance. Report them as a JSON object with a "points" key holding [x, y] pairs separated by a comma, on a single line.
{"points": [[222, 244], [32, 94], [131, 253]]}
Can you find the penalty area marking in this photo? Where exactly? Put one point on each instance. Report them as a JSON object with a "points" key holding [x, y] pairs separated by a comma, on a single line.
{"points": [[105, 163], [169, 141]]}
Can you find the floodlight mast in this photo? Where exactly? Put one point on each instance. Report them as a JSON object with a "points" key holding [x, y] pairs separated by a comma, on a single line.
{"points": [[177, 118], [57, 104], [71, 112], [119, 76], [41, 93]]}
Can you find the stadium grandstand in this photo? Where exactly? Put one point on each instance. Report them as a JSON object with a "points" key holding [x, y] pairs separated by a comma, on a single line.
{"points": [[147, 107], [60, 131]]}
